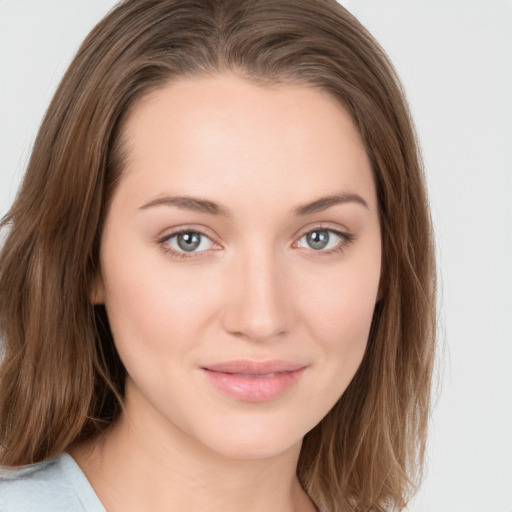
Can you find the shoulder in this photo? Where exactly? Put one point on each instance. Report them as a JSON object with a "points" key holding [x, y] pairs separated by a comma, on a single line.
{"points": [[55, 485]]}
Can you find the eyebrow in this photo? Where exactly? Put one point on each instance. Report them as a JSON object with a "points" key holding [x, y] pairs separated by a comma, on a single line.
{"points": [[209, 207], [189, 203], [324, 203]]}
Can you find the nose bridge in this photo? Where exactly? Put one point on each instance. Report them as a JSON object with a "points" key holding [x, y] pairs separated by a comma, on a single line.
{"points": [[257, 306]]}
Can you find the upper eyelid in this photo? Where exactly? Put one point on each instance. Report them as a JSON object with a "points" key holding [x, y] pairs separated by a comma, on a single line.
{"points": [[168, 233], [346, 236], [332, 230], [327, 226]]}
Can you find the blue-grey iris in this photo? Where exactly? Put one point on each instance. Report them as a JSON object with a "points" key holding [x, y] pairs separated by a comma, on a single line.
{"points": [[318, 239], [189, 241]]}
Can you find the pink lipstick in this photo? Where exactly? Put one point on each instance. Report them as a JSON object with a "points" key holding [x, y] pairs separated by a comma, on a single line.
{"points": [[253, 381]]}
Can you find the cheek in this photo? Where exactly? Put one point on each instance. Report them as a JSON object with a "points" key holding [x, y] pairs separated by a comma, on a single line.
{"points": [[339, 315], [152, 310]]}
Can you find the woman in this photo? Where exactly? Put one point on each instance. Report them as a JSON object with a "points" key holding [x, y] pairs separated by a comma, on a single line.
{"points": [[217, 287]]}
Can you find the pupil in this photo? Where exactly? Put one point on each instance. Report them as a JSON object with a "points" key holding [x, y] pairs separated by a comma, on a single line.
{"points": [[318, 239], [189, 241]]}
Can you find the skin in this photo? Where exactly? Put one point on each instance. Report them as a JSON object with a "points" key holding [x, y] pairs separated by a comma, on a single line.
{"points": [[255, 290]]}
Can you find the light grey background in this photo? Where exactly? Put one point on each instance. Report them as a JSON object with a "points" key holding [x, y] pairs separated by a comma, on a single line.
{"points": [[455, 60]]}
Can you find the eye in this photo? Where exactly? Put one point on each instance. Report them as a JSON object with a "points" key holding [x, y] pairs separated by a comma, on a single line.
{"points": [[188, 241], [325, 240]]}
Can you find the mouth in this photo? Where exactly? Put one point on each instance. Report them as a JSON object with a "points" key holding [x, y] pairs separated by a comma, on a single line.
{"points": [[254, 381]]}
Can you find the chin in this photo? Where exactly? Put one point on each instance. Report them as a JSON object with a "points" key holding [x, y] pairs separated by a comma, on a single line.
{"points": [[251, 437], [254, 449]]}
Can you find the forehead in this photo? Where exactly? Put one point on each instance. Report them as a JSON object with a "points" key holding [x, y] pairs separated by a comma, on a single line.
{"points": [[226, 136]]}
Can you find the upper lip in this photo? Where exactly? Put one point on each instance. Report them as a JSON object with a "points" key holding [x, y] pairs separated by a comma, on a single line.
{"points": [[247, 367]]}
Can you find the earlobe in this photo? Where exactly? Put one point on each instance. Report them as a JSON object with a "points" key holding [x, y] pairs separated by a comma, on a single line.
{"points": [[97, 292]]}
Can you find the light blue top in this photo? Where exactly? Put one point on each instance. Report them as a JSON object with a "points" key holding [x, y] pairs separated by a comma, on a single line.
{"points": [[55, 485]]}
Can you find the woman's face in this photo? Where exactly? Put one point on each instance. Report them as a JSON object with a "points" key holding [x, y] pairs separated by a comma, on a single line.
{"points": [[240, 262]]}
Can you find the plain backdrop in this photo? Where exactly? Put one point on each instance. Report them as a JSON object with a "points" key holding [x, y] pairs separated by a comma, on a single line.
{"points": [[455, 60]]}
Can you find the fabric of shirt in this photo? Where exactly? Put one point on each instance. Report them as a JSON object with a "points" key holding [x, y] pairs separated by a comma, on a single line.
{"points": [[55, 485]]}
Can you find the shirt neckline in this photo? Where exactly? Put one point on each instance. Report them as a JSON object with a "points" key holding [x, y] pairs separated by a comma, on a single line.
{"points": [[80, 484]]}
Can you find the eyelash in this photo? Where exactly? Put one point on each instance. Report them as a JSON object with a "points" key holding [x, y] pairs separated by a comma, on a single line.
{"points": [[181, 255], [346, 239]]}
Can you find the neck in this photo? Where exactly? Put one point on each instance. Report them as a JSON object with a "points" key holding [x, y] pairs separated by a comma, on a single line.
{"points": [[143, 463]]}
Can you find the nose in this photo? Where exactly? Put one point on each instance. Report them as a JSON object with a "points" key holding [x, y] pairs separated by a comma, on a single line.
{"points": [[258, 306]]}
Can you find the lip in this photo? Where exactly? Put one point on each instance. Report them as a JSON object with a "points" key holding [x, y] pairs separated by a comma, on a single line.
{"points": [[254, 381]]}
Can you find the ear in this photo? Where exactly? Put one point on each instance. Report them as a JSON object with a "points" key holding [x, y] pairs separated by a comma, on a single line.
{"points": [[97, 291]]}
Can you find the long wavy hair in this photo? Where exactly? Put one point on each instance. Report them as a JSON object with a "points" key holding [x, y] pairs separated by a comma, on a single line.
{"points": [[61, 379]]}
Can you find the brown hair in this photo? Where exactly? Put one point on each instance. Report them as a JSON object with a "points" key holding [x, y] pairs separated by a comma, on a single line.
{"points": [[61, 379]]}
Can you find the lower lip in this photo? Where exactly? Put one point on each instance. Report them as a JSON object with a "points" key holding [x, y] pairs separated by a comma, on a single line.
{"points": [[254, 388]]}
